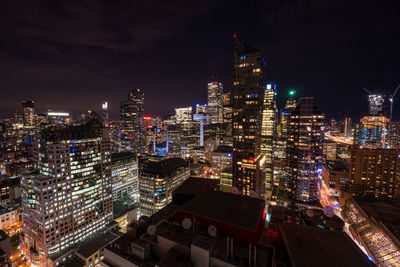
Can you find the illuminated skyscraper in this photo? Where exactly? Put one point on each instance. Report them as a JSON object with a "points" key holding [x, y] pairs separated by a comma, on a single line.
{"points": [[248, 97], [215, 109], [28, 113], [268, 137], [69, 198], [132, 126], [304, 151], [183, 114], [375, 104], [373, 130]]}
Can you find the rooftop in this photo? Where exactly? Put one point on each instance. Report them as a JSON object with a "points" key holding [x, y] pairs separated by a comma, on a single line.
{"points": [[336, 165], [91, 129], [164, 167], [385, 211], [122, 156], [194, 186], [237, 210], [223, 149], [92, 245], [308, 246]]}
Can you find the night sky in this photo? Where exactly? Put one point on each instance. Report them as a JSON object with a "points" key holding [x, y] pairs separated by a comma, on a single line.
{"points": [[73, 55]]}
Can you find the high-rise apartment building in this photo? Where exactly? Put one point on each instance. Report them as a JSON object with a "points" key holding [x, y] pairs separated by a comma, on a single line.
{"points": [[304, 151], [215, 107], [158, 179], [132, 126], [375, 173], [248, 97], [28, 113], [69, 198]]}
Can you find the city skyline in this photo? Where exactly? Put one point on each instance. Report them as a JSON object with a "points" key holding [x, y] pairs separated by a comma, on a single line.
{"points": [[306, 46]]}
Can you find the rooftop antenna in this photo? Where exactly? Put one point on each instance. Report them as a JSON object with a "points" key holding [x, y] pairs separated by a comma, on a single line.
{"points": [[391, 101]]}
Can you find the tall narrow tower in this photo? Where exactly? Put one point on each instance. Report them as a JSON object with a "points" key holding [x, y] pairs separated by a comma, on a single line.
{"points": [[304, 151], [248, 96], [132, 126], [215, 105]]}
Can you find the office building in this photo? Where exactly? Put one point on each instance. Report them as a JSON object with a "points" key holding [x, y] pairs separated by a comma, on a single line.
{"points": [[58, 118], [268, 138], [132, 126], [69, 197], [215, 105], [248, 96], [394, 135], [190, 137], [125, 176], [173, 134], [336, 176], [329, 150], [375, 173], [221, 158], [157, 180], [304, 151], [201, 109], [376, 105], [372, 132], [28, 108], [183, 114]]}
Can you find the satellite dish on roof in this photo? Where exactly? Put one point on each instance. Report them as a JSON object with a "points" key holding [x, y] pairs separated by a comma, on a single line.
{"points": [[235, 190], [151, 229], [253, 193], [329, 211], [310, 213], [212, 230], [186, 223]]}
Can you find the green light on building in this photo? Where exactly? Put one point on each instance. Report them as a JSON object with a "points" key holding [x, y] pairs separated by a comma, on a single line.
{"points": [[292, 92]]}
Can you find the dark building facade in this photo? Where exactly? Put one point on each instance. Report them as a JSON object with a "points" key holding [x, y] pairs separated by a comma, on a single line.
{"points": [[248, 96], [132, 126], [304, 151]]}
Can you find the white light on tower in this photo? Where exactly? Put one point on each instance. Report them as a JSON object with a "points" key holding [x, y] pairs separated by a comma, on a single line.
{"points": [[105, 106]]}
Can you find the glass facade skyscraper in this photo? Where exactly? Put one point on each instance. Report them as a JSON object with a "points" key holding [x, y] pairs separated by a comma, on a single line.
{"points": [[215, 105], [132, 126], [248, 97], [304, 151]]}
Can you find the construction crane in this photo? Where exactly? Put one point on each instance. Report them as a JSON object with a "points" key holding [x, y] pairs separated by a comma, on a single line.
{"points": [[391, 101]]}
